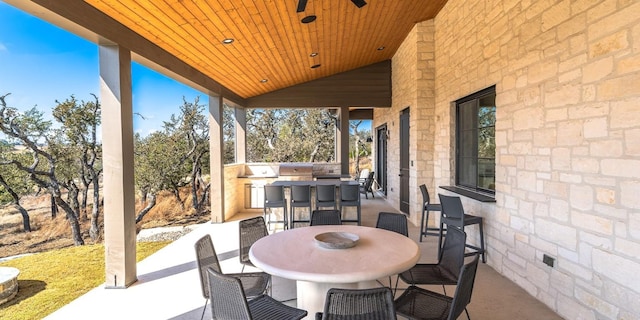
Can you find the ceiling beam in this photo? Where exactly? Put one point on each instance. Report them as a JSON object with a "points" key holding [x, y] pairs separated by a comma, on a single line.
{"points": [[369, 86]]}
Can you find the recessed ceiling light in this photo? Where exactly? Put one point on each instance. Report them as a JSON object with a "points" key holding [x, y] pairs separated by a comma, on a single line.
{"points": [[380, 48], [313, 54], [227, 41], [264, 80], [315, 66], [308, 19]]}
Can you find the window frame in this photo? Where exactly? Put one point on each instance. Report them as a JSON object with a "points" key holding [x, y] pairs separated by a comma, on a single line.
{"points": [[459, 167]]}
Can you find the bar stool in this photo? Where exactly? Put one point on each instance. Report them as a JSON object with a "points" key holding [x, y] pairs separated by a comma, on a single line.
{"points": [[300, 198], [453, 216], [326, 196], [274, 198], [426, 207], [350, 197]]}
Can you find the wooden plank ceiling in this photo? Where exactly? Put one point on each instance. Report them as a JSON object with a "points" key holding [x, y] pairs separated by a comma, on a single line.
{"points": [[270, 42]]}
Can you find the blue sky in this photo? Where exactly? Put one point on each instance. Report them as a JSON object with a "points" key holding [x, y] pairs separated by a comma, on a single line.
{"points": [[41, 63]]}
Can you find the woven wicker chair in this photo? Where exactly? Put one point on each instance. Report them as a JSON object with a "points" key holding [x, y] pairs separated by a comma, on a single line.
{"points": [[396, 222], [447, 270], [325, 217], [419, 303], [228, 301], [251, 230], [358, 304], [254, 283]]}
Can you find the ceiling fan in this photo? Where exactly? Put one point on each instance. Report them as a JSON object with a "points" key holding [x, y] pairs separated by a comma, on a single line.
{"points": [[302, 4]]}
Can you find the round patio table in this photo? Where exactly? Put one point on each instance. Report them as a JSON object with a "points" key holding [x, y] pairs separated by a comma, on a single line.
{"points": [[295, 254]]}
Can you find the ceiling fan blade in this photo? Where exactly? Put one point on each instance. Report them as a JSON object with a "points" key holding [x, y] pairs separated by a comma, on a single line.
{"points": [[302, 4], [359, 3]]}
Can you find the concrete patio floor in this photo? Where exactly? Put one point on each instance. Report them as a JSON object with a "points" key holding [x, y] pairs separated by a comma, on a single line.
{"points": [[168, 286]]}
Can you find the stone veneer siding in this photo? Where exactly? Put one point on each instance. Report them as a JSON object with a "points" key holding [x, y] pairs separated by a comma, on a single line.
{"points": [[567, 76]]}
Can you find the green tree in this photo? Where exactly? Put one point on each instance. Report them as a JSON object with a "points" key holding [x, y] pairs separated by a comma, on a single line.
{"points": [[229, 134], [291, 135], [30, 129], [80, 122], [189, 135], [151, 166], [14, 183]]}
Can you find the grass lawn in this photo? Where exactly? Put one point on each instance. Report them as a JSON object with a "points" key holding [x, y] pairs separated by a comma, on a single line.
{"points": [[50, 280]]}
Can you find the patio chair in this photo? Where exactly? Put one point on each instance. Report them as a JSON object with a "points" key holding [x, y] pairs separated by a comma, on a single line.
{"points": [[274, 198], [250, 231], [396, 222], [453, 216], [350, 197], [325, 217], [366, 186], [427, 206], [326, 196], [300, 198], [254, 283], [446, 270], [228, 301], [362, 176], [355, 304], [419, 303]]}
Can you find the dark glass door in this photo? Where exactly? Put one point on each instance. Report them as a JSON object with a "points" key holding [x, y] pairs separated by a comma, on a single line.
{"points": [[404, 161], [381, 158]]}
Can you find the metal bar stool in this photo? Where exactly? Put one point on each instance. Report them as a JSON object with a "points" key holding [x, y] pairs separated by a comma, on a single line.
{"points": [[274, 198], [300, 198], [453, 216], [426, 207]]}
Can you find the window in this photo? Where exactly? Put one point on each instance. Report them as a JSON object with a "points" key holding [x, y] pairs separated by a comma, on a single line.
{"points": [[476, 144]]}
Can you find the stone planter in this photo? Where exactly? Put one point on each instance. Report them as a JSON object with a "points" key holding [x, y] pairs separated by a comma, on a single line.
{"points": [[8, 283]]}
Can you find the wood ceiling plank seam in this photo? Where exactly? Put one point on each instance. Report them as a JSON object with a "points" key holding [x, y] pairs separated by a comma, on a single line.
{"points": [[294, 62], [258, 38], [309, 42], [244, 35], [276, 72], [324, 41], [391, 21], [180, 33], [128, 21], [215, 65], [176, 32], [216, 25], [341, 28], [386, 22], [226, 51], [331, 26], [361, 18], [293, 44]]}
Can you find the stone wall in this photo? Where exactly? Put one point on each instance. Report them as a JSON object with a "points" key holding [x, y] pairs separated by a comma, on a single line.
{"points": [[413, 82], [567, 76]]}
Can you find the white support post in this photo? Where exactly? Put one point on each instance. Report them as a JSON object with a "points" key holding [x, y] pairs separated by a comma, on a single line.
{"points": [[118, 166], [216, 151]]}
